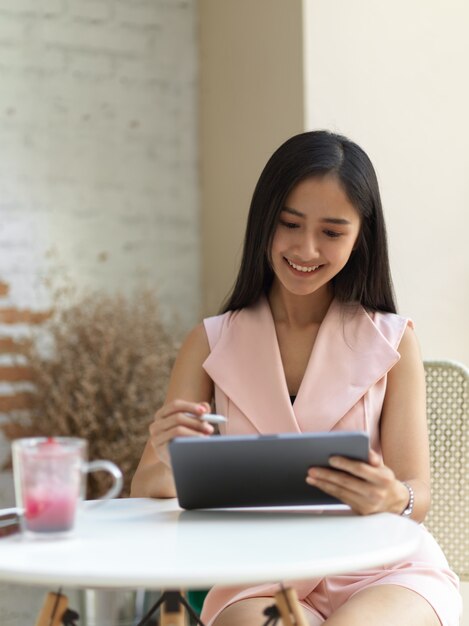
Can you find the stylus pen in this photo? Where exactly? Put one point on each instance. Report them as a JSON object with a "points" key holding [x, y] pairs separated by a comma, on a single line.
{"points": [[211, 418]]}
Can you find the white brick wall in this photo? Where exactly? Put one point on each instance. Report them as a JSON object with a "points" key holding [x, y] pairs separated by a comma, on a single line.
{"points": [[98, 160], [98, 146]]}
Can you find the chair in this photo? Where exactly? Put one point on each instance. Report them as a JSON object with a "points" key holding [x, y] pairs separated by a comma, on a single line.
{"points": [[448, 421]]}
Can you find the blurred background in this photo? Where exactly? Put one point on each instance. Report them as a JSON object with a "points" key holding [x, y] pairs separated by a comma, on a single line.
{"points": [[132, 133]]}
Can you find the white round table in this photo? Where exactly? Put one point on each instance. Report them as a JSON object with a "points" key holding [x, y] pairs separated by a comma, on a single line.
{"points": [[152, 544]]}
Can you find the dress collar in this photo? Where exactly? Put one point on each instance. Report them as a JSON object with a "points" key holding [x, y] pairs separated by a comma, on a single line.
{"points": [[349, 356]]}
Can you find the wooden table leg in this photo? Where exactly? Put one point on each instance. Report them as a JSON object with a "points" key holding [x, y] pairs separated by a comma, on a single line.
{"points": [[53, 609], [172, 611], [289, 608]]}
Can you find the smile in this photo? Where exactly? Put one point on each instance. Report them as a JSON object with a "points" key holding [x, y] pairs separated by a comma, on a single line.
{"points": [[302, 268]]}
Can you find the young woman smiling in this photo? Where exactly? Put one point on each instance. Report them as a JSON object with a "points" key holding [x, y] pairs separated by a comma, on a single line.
{"points": [[309, 340]]}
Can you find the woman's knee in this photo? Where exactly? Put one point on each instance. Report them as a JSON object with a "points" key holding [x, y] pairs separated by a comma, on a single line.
{"points": [[249, 612], [385, 605]]}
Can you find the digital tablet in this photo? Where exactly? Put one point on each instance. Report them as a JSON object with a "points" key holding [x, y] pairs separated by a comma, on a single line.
{"points": [[257, 470]]}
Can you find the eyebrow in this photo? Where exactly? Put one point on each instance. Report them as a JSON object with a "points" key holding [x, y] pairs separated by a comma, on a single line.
{"points": [[324, 220]]}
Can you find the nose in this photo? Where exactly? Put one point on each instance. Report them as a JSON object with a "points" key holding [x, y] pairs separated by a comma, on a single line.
{"points": [[308, 248]]}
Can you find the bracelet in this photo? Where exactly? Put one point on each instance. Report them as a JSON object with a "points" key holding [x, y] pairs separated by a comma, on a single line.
{"points": [[407, 512]]}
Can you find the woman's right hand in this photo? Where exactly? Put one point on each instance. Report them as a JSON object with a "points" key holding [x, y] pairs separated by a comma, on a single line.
{"points": [[174, 419]]}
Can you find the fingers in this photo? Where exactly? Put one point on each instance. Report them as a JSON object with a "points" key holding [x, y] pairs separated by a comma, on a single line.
{"points": [[207, 406], [370, 472], [334, 482], [178, 418], [365, 487], [182, 413], [364, 503], [182, 406], [180, 421]]}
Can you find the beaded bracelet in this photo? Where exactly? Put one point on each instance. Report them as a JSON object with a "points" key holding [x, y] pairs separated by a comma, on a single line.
{"points": [[407, 512]]}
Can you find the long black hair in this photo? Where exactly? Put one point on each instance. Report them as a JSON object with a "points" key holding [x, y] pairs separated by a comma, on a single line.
{"points": [[366, 278]]}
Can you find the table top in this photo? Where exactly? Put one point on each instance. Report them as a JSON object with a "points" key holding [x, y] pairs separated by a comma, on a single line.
{"points": [[152, 544]]}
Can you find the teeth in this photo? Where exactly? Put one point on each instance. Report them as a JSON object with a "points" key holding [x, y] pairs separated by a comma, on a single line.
{"points": [[301, 268]]}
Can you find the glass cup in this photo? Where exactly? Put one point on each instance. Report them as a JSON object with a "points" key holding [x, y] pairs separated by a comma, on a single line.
{"points": [[50, 480]]}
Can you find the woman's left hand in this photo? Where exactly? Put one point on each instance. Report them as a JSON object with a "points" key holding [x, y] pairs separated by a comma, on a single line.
{"points": [[366, 487]]}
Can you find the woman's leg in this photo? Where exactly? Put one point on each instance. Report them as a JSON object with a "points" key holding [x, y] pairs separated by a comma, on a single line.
{"points": [[384, 605], [250, 613]]}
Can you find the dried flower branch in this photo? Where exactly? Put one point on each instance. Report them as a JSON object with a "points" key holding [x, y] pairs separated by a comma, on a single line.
{"points": [[102, 377]]}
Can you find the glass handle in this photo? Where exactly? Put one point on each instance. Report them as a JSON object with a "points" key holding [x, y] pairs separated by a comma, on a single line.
{"points": [[108, 466]]}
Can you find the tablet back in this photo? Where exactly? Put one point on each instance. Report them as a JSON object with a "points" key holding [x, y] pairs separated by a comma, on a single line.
{"points": [[251, 470]]}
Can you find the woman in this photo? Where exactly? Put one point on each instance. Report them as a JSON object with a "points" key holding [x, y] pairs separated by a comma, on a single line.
{"points": [[309, 340]]}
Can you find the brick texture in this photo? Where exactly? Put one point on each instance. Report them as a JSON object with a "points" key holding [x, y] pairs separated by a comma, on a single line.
{"points": [[20, 401], [14, 373], [18, 316], [9, 346]]}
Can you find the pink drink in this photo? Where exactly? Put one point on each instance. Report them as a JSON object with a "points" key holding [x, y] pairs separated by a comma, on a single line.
{"points": [[50, 483], [51, 479], [50, 511]]}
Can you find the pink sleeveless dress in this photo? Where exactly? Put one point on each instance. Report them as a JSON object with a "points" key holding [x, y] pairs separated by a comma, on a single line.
{"points": [[343, 389]]}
